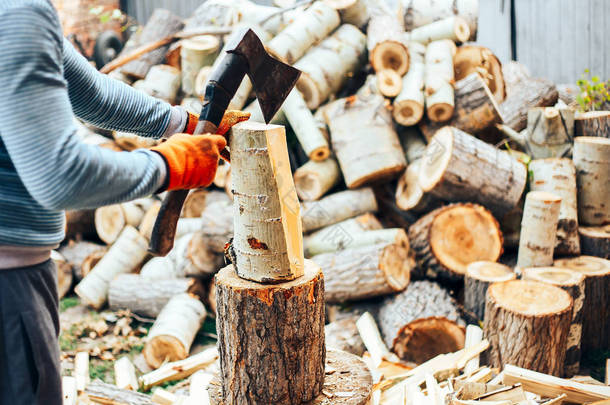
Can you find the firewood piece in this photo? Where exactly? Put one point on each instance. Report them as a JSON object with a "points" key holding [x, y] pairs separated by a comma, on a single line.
{"points": [[80, 224], [314, 179], [309, 28], [337, 207], [513, 73], [91, 261], [386, 44], [217, 225], [343, 335], [448, 239], [389, 82], [76, 252], [439, 79], [162, 81], [64, 273], [409, 104], [174, 330], [371, 337], [268, 232], [459, 167], [592, 161], [574, 284], [81, 370], [409, 195], [162, 397], [337, 236], [515, 313], [198, 388], [102, 393], [538, 229], [109, 222], [201, 81], [179, 370], [125, 374], [161, 24], [472, 58], [421, 322], [592, 123], [195, 203], [413, 144], [353, 12], [327, 65], [124, 256], [454, 28], [479, 276], [421, 12], [596, 312], [147, 297], [595, 241], [297, 347], [361, 239], [149, 218], [351, 122], [527, 93], [475, 108], [68, 386], [474, 336], [366, 271], [196, 53]]}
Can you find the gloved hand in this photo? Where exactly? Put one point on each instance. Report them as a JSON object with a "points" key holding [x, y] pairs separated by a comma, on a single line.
{"points": [[230, 118]]}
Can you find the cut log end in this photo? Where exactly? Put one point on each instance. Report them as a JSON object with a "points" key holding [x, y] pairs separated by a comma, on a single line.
{"points": [[390, 55], [307, 86], [109, 222], [529, 298], [389, 82], [552, 275], [395, 262], [461, 29], [163, 348], [440, 112], [320, 154], [491, 272], [587, 265], [414, 342], [408, 112]]}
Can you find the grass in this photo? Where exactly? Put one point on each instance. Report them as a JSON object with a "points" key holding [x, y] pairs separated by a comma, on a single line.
{"points": [[102, 369], [68, 302]]}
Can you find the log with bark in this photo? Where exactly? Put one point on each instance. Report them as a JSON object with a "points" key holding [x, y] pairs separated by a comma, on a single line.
{"points": [[592, 123], [592, 161], [337, 207], [421, 12], [595, 241], [454, 28], [527, 324], [439, 79], [314, 179], [479, 276], [409, 194], [386, 44], [343, 335], [558, 176], [513, 73], [80, 224], [448, 239], [526, 94], [327, 65], [471, 58], [389, 83], [76, 252], [353, 12], [112, 219], [351, 122], [574, 284], [413, 143], [421, 322], [409, 104], [195, 53], [64, 273], [459, 167], [102, 393], [162, 81]]}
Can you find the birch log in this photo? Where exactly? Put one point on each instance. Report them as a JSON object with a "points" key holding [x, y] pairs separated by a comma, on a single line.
{"points": [[592, 123], [162, 81], [574, 284], [558, 176], [340, 235], [124, 256], [413, 143], [514, 73], [550, 132], [353, 12], [472, 58], [454, 28], [327, 65], [76, 252], [386, 44], [459, 167], [112, 219], [524, 319], [421, 12], [174, 330], [309, 28], [526, 94], [64, 273], [592, 160], [351, 122], [448, 239], [595, 241], [196, 53], [409, 104], [194, 203], [438, 80], [409, 194], [479, 276], [314, 179], [389, 83]]}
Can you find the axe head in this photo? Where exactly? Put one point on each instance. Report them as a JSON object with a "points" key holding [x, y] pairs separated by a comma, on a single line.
{"points": [[272, 80]]}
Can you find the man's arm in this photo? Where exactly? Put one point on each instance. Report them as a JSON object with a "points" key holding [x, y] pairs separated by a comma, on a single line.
{"points": [[37, 130]]}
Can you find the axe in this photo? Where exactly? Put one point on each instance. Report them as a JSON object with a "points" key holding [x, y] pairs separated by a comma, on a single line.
{"points": [[272, 81]]}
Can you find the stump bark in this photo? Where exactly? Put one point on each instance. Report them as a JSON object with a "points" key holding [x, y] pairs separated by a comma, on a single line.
{"points": [[527, 324], [479, 276], [409, 103], [592, 160], [526, 94], [439, 79], [592, 123], [386, 44], [472, 58], [595, 241]]}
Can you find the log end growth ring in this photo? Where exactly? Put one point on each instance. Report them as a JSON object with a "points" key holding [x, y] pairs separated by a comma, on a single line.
{"points": [[162, 348], [530, 298], [587, 265], [390, 55], [396, 262], [408, 112], [414, 340], [490, 271]]}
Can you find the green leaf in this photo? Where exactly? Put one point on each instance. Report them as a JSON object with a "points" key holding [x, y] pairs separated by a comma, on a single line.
{"points": [[595, 79]]}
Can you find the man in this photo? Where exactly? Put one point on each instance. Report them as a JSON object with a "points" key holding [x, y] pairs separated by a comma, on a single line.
{"points": [[45, 169]]}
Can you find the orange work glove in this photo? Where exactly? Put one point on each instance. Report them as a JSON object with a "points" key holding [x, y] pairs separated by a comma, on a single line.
{"points": [[230, 118]]}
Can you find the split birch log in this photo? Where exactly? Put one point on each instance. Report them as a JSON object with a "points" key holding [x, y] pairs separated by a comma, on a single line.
{"points": [[472, 58], [516, 313], [574, 284], [459, 167], [408, 321], [421, 12], [351, 122], [125, 374], [80, 224], [103, 393], [64, 273], [196, 53], [366, 271], [389, 83], [124, 256], [162, 81], [294, 352], [409, 104], [161, 24], [479, 276], [314, 179], [386, 44], [147, 297], [353, 12], [327, 65], [309, 28], [475, 108], [343, 335], [112, 219], [149, 218], [337, 207], [454, 28], [81, 370], [538, 229], [595, 241], [596, 312], [439, 79], [68, 390], [181, 369], [558, 176], [448, 239], [305, 126], [592, 160], [268, 233], [339, 235], [174, 330], [592, 123], [527, 93], [409, 194], [75, 253]]}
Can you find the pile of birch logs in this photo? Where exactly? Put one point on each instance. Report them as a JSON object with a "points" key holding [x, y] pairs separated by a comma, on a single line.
{"points": [[437, 188]]}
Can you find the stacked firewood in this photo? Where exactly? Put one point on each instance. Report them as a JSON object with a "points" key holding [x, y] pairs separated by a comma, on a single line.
{"points": [[437, 187]]}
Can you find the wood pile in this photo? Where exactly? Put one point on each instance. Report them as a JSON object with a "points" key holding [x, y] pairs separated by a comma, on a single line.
{"points": [[437, 189]]}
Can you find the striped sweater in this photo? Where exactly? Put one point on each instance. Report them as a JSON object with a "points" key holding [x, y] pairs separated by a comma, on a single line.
{"points": [[44, 168]]}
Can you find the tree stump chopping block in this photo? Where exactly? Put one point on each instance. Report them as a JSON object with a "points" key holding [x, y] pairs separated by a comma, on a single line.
{"points": [[592, 123], [271, 338]]}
